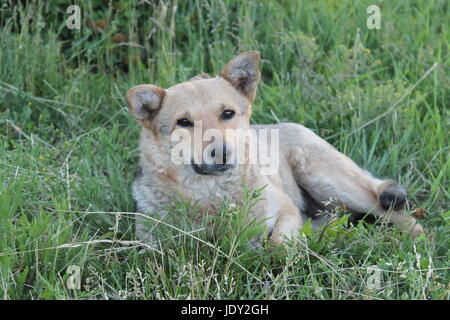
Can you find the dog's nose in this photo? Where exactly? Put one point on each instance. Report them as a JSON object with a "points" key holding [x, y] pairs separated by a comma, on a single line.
{"points": [[224, 153]]}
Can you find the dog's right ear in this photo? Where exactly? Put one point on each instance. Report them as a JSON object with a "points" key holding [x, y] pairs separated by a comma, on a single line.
{"points": [[144, 101]]}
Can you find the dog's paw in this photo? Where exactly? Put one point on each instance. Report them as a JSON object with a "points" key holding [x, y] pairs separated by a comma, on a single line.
{"points": [[392, 196]]}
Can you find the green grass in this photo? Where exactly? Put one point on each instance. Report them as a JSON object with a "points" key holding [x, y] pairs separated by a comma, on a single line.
{"points": [[68, 147]]}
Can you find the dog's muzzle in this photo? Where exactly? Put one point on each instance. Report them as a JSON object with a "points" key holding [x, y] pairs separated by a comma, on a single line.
{"points": [[220, 158], [211, 169]]}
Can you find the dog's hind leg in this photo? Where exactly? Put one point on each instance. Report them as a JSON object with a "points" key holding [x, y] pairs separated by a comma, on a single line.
{"points": [[328, 175]]}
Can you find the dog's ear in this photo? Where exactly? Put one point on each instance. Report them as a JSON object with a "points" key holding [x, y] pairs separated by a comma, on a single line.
{"points": [[243, 73], [144, 101], [199, 77]]}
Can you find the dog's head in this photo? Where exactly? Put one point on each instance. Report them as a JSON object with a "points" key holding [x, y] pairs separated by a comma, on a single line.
{"points": [[197, 115]]}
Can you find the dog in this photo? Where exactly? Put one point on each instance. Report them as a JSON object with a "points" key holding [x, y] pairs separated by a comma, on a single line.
{"points": [[309, 174]]}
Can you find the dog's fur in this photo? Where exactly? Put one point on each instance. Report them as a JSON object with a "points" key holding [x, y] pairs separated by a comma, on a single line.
{"points": [[311, 171]]}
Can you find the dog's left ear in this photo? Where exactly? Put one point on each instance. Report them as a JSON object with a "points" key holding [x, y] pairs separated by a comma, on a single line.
{"points": [[144, 101], [243, 73]]}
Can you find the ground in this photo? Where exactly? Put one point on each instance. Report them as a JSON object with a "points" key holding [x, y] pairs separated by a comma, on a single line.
{"points": [[68, 146]]}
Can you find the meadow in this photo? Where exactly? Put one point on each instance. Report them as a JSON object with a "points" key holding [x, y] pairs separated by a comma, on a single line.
{"points": [[69, 147]]}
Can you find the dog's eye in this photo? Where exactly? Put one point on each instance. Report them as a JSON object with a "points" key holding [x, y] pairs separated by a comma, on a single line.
{"points": [[184, 123], [227, 114]]}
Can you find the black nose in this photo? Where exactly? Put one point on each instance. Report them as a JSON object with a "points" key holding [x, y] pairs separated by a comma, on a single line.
{"points": [[224, 153]]}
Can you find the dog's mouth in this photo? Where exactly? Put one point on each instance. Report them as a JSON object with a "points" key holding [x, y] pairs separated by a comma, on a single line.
{"points": [[211, 169]]}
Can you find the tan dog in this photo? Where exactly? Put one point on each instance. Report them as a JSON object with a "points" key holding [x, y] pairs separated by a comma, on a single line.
{"points": [[310, 171]]}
